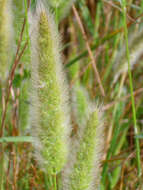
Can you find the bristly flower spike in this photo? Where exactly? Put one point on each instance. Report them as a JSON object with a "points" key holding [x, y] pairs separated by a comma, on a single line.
{"points": [[83, 172], [49, 96]]}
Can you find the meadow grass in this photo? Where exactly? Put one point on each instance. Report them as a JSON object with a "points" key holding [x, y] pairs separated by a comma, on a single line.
{"points": [[110, 27]]}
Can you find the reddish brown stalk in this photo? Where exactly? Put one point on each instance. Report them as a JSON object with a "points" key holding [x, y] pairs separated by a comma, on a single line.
{"points": [[15, 112], [14, 133], [89, 50], [35, 178], [7, 173], [9, 87], [12, 73], [123, 168], [14, 168], [21, 36]]}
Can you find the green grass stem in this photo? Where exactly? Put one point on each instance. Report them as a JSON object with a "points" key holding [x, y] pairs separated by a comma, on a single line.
{"points": [[131, 88]]}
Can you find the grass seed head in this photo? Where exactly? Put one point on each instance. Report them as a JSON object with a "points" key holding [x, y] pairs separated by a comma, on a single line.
{"points": [[50, 115], [83, 172]]}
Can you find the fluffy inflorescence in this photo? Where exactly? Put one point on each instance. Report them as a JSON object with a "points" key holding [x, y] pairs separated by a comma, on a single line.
{"points": [[50, 116], [5, 27], [83, 172]]}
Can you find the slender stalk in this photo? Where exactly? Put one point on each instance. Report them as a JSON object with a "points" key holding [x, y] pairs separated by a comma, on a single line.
{"points": [[89, 51], [27, 3], [131, 88], [2, 151], [55, 182], [1, 166]]}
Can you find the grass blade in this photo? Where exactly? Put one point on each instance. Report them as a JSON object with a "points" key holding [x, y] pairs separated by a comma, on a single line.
{"points": [[131, 88]]}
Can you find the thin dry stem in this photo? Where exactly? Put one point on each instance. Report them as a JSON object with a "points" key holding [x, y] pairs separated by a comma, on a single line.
{"points": [[136, 92], [12, 74], [89, 50]]}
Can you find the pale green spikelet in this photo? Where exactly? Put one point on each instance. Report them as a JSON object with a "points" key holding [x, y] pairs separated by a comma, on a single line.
{"points": [[49, 113], [73, 72], [83, 172], [79, 96], [5, 37], [80, 100]]}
